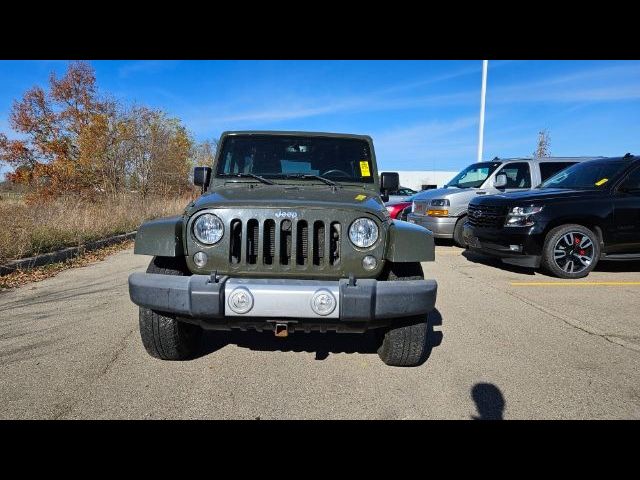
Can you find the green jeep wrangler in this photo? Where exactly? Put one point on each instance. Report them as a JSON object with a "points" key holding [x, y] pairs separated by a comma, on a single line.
{"points": [[290, 234]]}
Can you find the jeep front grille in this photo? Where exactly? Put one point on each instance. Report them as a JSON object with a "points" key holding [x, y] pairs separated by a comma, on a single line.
{"points": [[286, 242]]}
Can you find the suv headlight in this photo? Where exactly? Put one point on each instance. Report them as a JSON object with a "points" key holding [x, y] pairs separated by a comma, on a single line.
{"points": [[208, 229], [522, 216], [440, 202], [363, 232]]}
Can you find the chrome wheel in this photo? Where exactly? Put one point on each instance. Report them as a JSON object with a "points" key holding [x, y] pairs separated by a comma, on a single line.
{"points": [[573, 252]]}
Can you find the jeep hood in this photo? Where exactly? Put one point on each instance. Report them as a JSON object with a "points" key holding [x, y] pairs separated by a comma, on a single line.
{"points": [[246, 194]]}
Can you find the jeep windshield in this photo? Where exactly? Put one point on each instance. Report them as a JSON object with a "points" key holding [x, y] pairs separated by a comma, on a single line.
{"points": [[590, 175], [296, 158], [474, 175]]}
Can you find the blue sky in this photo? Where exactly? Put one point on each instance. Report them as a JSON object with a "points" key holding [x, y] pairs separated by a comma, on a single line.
{"points": [[422, 115]]}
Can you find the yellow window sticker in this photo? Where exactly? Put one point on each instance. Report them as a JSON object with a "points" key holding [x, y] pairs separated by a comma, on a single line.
{"points": [[364, 169], [360, 197], [601, 182]]}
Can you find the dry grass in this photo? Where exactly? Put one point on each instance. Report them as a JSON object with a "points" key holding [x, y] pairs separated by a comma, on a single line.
{"points": [[22, 277], [27, 230]]}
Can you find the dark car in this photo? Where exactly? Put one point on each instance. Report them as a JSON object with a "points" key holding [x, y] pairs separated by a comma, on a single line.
{"points": [[586, 213], [401, 194]]}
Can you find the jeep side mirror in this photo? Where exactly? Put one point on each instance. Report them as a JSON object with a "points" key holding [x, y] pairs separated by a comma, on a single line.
{"points": [[201, 177], [389, 182], [500, 181]]}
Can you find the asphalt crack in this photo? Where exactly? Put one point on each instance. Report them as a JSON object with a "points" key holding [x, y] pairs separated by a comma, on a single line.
{"points": [[67, 407], [614, 339]]}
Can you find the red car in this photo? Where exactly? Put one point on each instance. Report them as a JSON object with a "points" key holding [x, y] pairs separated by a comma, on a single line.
{"points": [[399, 209]]}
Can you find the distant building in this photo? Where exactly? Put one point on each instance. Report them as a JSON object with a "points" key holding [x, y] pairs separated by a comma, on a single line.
{"points": [[417, 178]]}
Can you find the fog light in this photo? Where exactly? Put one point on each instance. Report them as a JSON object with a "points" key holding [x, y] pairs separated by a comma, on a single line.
{"points": [[240, 300], [200, 259], [323, 302], [369, 262], [515, 248]]}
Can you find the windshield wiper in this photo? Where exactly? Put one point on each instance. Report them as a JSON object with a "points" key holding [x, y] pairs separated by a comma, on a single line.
{"points": [[248, 175], [315, 177]]}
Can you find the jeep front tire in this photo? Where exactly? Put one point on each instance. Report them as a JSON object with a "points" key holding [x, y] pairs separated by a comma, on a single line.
{"points": [[162, 335], [404, 344]]}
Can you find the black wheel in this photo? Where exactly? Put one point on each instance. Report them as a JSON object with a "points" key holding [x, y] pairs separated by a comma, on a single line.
{"points": [[162, 335], [402, 271], [457, 233], [570, 251], [405, 343]]}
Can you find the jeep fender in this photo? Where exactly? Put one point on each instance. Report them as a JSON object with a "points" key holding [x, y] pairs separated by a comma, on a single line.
{"points": [[409, 243], [161, 237]]}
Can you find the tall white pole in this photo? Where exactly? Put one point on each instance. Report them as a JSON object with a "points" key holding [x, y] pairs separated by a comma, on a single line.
{"points": [[485, 64]]}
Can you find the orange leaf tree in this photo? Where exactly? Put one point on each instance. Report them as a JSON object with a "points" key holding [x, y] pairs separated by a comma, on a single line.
{"points": [[75, 141]]}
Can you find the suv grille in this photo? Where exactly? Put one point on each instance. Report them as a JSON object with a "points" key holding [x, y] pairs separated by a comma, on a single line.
{"points": [[284, 242], [486, 216]]}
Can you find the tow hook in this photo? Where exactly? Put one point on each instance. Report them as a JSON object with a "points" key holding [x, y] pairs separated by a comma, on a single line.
{"points": [[281, 330]]}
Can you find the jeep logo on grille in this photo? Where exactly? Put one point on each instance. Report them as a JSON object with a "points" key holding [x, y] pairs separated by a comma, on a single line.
{"points": [[283, 214]]}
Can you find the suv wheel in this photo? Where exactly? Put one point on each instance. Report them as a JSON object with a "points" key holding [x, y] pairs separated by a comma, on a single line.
{"points": [[404, 344], [162, 335], [457, 232], [570, 251]]}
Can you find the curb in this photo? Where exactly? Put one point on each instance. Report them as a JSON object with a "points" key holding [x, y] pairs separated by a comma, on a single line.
{"points": [[62, 255]]}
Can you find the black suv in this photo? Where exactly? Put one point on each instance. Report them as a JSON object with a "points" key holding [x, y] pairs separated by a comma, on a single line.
{"points": [[586, 213]]}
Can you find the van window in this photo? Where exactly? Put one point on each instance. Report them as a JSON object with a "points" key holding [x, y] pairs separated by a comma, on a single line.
{"points": [[474, 175], [549, 169], [518, 175]]}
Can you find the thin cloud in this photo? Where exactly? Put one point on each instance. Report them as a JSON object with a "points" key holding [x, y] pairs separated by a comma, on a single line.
{"points": [[385, 99], [427, 145], [145, 67], [295, 109], [611, 83]]}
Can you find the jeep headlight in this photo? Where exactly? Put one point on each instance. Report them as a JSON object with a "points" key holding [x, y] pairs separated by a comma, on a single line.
{"points": [[363, 232], [208, 229], [522, 216]]}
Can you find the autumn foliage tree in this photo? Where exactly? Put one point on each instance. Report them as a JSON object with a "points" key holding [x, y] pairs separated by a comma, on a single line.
{"points": [[204, 153], [76, 141]]}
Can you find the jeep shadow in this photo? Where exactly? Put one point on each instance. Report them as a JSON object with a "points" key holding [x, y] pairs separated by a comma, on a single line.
{"points": [[322, 344]]}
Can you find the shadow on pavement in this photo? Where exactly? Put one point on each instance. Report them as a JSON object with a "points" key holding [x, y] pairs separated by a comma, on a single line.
{"points": [[321, 343], [444, 242], [602, 266], [489, 401], [613, 266], [494, 262]]}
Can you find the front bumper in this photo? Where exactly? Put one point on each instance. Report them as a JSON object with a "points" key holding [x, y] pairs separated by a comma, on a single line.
{"points": [[202, 297], [526, 243], [441, 227]]}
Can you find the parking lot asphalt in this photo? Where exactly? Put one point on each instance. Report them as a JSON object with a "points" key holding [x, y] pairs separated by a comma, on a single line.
{"points": [[506, 343]]}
